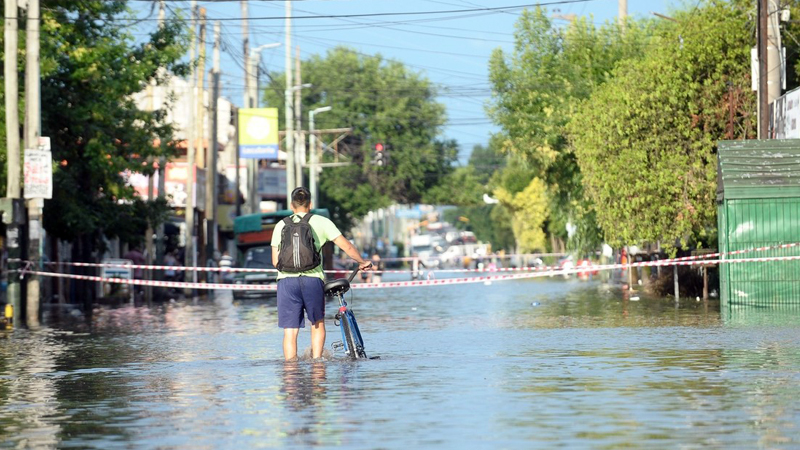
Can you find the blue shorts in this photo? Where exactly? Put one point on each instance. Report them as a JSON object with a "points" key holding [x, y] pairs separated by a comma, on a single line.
{"points": [[296, 294]]}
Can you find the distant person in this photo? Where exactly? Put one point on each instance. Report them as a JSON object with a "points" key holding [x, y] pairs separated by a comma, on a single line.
{"points": [[226, 262], [170, 274], [416, 263], [300, 274], [135, 254], [377, 266]]}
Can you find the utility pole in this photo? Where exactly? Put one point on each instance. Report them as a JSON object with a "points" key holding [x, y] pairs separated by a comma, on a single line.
{"points": [[773, 54], [288, 109], [622, 12], [152, 249], [148, 237], [312, 150], [252, 101], [200, 118], [32, 133], [254, 199], [763, 99], [13, 209], [251, 164], [299, 142], [162, 166], [211, 168], [189, 260]]}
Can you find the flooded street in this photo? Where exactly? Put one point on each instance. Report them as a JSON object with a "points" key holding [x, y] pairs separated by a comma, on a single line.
{"points": [[519, 364]]}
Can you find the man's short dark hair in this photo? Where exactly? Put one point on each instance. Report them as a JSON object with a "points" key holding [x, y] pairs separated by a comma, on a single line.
{"points": [[301, 197]]}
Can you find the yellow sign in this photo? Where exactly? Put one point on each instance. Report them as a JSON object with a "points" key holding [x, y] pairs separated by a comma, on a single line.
{"points": [[258, 133]]}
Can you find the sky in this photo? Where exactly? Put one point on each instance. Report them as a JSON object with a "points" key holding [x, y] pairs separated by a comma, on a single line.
{"points": [[439, 39]]}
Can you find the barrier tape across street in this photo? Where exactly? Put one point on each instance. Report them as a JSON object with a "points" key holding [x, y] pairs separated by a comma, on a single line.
{"points": [[662, 262], [437, 282]]}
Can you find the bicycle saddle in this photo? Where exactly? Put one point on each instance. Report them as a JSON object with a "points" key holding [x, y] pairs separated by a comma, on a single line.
{"points": [[336, 287]]}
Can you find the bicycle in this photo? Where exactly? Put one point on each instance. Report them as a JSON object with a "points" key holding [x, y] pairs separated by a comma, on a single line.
{"points": [[351, 342]]}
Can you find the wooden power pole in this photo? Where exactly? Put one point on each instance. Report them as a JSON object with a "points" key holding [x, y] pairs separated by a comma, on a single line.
{"points": [[211, 167], [12, 205], [32, 133], [763, 99]]}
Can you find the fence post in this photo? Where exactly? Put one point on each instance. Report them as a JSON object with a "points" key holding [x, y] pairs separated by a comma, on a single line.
{"points": [[675, 276]]}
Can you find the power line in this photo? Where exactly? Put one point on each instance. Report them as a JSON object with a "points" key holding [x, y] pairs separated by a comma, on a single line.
{"points": [[489, 10]]}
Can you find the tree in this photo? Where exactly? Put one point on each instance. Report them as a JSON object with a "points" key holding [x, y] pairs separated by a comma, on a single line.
{"points": [[530, 210], [646, 140], [486, 160], [535, 92], [384, 102], [466, 187], [462, 187], [91, 68]]}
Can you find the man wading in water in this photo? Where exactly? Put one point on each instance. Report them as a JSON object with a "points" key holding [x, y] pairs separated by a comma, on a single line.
{"points": [[296, 244]]}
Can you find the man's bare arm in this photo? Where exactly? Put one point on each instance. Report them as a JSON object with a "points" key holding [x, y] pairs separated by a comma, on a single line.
{"points": [[352, 252]]}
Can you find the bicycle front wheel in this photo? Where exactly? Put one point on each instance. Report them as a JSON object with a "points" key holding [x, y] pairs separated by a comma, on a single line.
{"points": [[349, 342]]}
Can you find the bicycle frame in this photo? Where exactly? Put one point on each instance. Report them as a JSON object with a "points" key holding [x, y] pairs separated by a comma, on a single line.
{"points": [[352, 342]]}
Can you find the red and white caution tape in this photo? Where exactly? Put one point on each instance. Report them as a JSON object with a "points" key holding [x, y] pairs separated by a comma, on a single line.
{"points": [[167, 284], [438, 282]]}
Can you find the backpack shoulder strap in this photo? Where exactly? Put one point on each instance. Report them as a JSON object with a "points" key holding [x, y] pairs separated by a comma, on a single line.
{"points": [[306, 218], [287, 220]]}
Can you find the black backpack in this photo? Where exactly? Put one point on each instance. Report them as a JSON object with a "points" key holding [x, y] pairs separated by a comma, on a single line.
{"points": [[298, 252]]}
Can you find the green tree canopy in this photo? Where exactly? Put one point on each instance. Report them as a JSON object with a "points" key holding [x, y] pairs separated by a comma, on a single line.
{"points": [[646, 139], [91, 67], [535, 92], [383, 102]]}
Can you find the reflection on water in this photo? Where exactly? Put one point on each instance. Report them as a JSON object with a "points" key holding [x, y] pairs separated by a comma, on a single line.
{"points": [[523, 364]]}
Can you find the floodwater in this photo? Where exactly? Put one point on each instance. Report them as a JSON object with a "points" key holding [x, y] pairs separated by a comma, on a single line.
{"points": [[522, 364]]}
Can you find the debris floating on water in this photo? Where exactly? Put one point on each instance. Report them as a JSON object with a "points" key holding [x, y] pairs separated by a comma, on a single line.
{"points": [[535, 303]]}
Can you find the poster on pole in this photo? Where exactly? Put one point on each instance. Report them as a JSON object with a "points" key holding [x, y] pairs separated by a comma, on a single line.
{"points": [[38, 170], [258, 133]]}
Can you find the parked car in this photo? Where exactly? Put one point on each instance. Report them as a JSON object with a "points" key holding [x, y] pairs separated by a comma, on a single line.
{"points": [[256, 258]]}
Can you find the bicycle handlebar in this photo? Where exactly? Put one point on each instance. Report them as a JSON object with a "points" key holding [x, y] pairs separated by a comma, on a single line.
{"points": [[352, 275]]}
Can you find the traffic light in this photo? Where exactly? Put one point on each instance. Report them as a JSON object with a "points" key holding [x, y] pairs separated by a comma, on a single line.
{"points": [[380, 157]]}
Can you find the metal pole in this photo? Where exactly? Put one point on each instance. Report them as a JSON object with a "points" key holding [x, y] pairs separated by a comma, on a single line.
{"points": [[312, 149], [12, 99], [162, 169], [252, 163], [201, 133], [248, 75], [773, 54], [237, 161], [312, 167], [246, 50], [191, 177], [299, 141], [288, 109], [32, 133], [254, 61], [13, 213]]}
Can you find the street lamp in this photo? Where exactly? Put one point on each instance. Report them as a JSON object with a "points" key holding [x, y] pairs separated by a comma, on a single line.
{"points": [[294, 174], [312, 148], [251, 101]]}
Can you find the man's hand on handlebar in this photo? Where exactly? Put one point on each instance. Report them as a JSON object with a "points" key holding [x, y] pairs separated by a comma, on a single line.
{"points": [[366, 265]]}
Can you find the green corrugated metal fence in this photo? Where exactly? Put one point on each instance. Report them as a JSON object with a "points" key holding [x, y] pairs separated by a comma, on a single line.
{"points": [[759, 205]]}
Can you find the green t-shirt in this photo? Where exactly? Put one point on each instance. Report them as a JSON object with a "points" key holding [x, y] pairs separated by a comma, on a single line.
{"points": [[323, 230]]}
